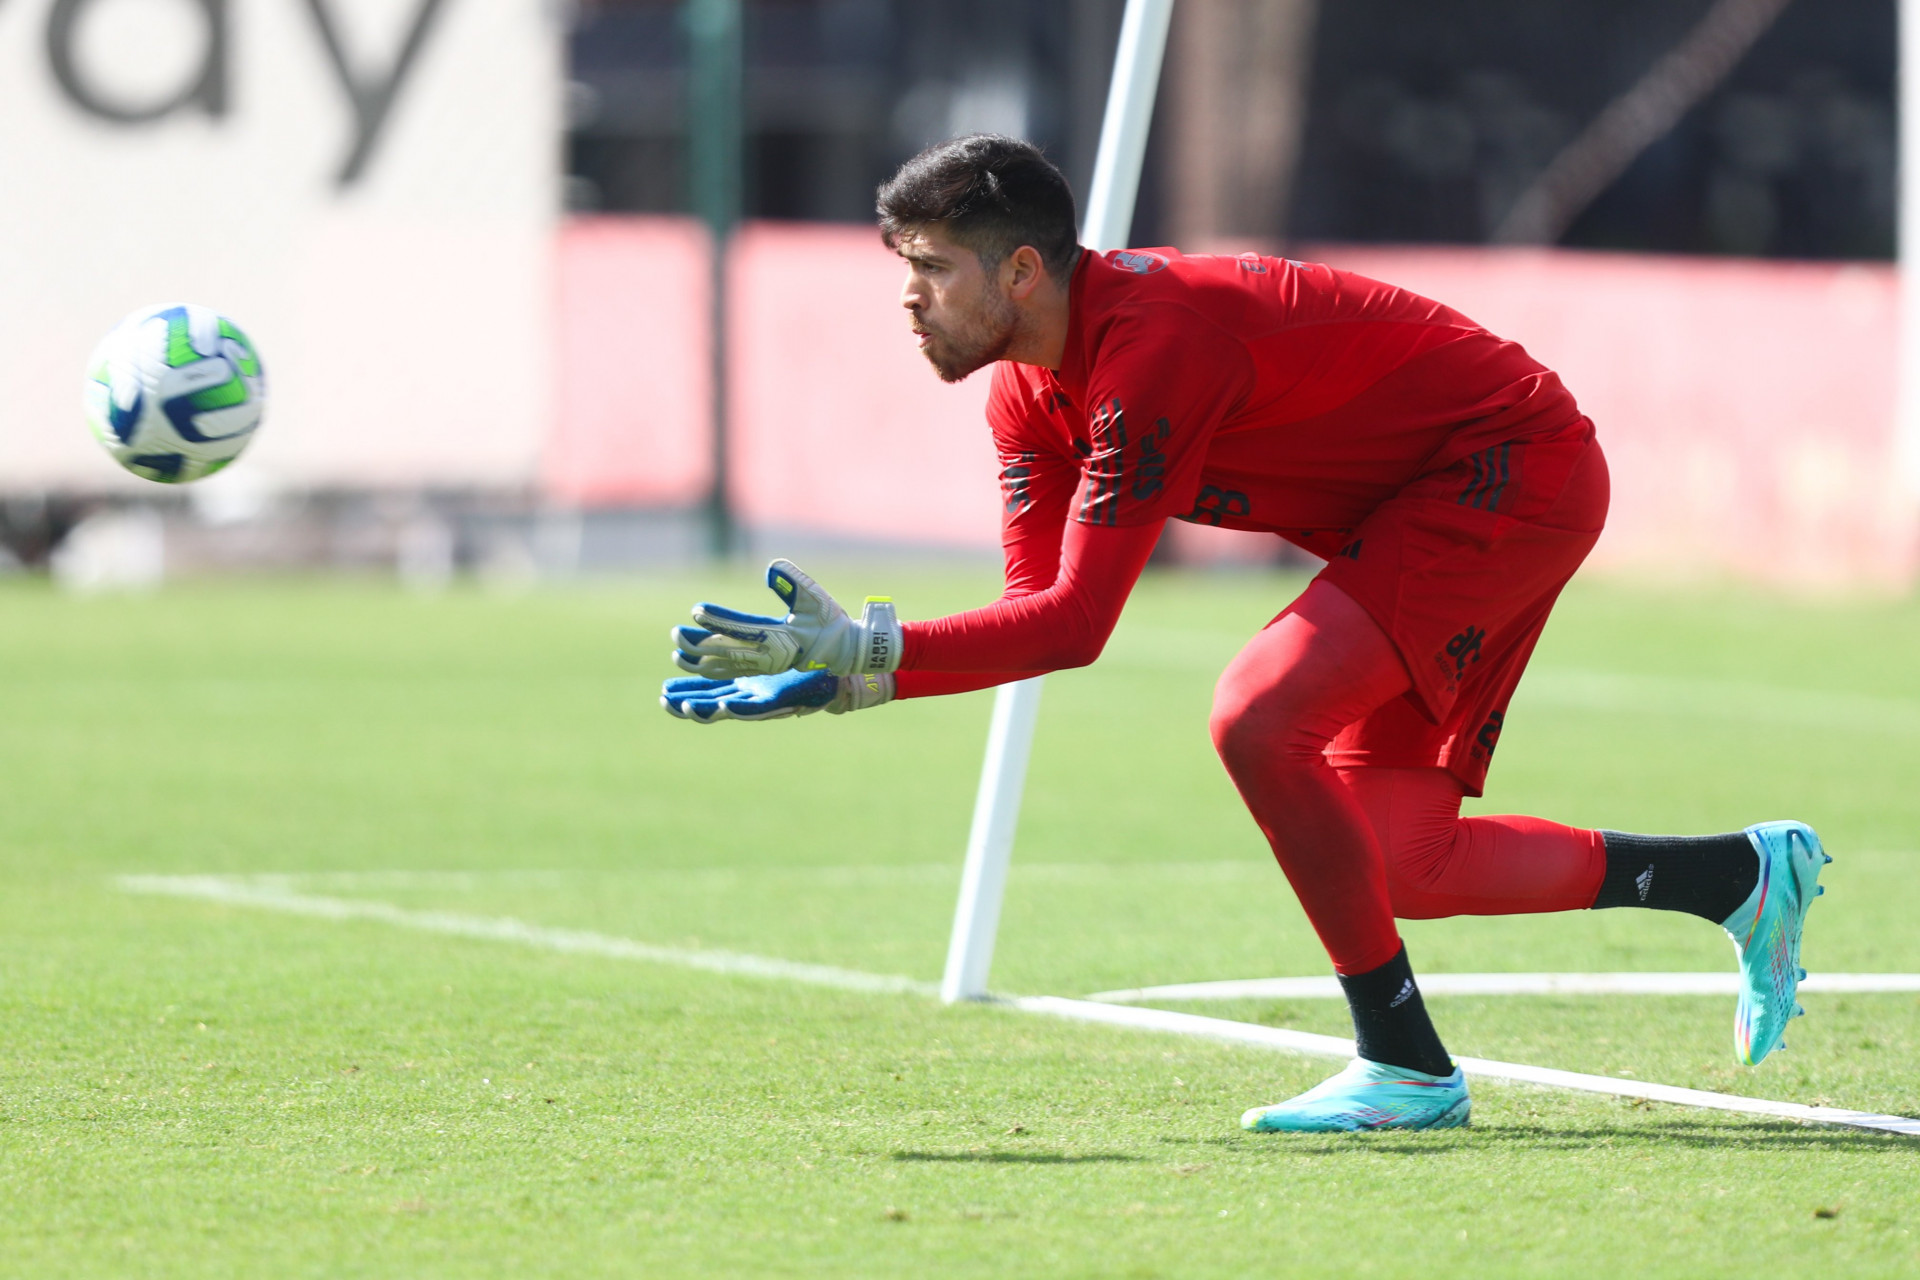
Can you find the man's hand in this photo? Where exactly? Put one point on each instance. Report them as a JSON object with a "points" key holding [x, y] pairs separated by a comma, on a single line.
{"points": [[816, 634], [790, 693]]}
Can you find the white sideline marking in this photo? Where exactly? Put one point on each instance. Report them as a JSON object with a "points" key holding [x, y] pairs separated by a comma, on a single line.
{"points": [[1188, 1024], [1508, 984], [274, 896], [273, 893]]}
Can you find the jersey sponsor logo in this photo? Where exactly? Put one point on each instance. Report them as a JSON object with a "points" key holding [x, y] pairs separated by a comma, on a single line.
{"points": [[1488, 738], [1216, 504], [1489, 478], [1150, 468], [1015, 478], [1141, 264]]}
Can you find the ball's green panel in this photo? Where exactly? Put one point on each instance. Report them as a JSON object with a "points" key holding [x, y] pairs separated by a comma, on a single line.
{"points": [[250, 362], [231, 392], [180, 348]]}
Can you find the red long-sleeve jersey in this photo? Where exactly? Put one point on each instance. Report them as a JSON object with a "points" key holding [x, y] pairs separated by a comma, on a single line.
{"points": [[1252, 393]]}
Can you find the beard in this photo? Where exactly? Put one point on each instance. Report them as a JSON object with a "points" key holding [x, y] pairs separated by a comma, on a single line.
{"points": [[979, 341]]}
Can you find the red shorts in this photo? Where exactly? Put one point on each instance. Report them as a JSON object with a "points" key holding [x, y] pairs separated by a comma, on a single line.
{"points": [[1460, 569]]}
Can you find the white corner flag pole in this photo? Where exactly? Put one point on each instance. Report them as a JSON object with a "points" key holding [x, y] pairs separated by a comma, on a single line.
{"points": [[996, 809]]}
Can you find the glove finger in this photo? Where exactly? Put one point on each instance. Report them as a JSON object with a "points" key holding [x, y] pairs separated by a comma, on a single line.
{"points": [[689, 686], [732, 622], [723, 668], [694, 641], [688, 709], [801, 594], [678, 694], [751, 709], [705, 653]]}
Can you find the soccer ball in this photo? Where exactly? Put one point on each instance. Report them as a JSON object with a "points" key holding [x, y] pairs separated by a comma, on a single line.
{"points": [[175, 392]]}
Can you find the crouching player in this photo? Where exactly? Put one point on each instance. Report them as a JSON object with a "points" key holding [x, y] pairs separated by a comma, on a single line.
{"points": [[1449, 481]]}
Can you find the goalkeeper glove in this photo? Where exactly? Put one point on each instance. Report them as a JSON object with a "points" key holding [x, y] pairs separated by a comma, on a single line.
{"points": [[816, 634], [790, 693]]}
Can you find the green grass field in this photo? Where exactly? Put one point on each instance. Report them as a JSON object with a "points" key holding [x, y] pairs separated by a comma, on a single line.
{"points": [[196, 1089]]}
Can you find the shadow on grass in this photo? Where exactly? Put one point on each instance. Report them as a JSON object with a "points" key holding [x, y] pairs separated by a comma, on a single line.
{"points": [[1010, 1157], [1729, 1136]]}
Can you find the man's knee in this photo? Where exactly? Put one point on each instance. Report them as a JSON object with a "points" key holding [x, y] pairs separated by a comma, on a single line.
{"points": [[1261, 726], [1231, 725], [1423, 862], [1415, 892]]}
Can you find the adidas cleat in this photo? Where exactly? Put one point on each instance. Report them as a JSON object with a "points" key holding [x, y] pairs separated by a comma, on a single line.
{"points": [[1369, 1095], [1766, 935]]}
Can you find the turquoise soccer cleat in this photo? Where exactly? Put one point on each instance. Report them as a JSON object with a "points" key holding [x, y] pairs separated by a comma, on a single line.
{"points": [[1766, 935], [1369, 1095]]}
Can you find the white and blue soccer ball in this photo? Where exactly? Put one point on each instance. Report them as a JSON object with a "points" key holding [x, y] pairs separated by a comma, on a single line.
{"points": [[175, 392]]}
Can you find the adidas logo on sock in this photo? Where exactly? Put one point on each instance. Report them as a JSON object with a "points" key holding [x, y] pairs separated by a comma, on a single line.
{"points": [[1644, 882], [1406, 994]]}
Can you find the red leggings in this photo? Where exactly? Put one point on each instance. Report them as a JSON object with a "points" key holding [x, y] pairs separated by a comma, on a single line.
{"points": [[1361, 846]]}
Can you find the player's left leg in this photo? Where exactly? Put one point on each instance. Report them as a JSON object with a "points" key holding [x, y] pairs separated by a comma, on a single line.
{"points": [[1756, 884]]}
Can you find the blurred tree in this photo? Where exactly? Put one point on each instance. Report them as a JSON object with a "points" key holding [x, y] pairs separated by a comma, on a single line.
{"points": [[1235, 110]]}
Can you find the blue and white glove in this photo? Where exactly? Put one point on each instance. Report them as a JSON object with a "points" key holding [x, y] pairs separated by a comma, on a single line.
{"points": [[816, 634], [790, 693]]}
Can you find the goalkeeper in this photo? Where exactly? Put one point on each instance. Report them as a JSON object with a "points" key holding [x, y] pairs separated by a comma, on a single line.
{"points": [[1450, 482]]}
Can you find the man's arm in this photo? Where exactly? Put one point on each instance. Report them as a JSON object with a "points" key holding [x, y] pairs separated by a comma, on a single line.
{"points": [[1065, 625]]}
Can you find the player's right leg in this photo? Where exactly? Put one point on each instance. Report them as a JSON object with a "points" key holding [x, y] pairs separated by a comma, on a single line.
{"points": [[1320, 666]]}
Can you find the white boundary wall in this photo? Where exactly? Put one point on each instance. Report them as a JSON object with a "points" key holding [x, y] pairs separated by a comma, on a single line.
{"points": [[403, 311]]}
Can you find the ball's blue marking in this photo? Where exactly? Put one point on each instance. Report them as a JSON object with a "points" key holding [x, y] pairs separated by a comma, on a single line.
{"points": [[180, 411], [165, 467], [124, 421]]}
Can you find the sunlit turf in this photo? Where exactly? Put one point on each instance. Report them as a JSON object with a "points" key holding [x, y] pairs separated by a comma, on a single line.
{"points": [[188, 1089]]}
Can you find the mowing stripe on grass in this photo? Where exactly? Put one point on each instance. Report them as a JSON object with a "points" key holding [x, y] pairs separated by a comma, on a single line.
{"points": [[1589, 689], [270, 893], [273, 894], [1508, 984]]}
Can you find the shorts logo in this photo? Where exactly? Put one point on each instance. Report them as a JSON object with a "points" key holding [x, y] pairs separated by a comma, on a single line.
{"points": [[1352, 550], [1141, 264], [1488, 738], [1253, 263], [1464, 649]]}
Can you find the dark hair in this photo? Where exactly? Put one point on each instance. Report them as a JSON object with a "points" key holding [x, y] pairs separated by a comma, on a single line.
{"points": [[993, 193]]}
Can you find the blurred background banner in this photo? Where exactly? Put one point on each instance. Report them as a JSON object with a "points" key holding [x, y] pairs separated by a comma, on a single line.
{"points": [[369, 186], [465, 236]]}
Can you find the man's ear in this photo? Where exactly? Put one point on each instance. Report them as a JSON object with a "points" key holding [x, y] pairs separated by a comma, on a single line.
{"points": [[1021, 272]]}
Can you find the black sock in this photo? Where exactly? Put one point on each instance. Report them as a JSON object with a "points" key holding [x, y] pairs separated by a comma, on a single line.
{"points": [[1706, 876], [1390, 1022]]}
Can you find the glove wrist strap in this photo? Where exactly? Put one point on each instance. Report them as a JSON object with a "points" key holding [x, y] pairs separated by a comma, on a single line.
{"points": [[859, 692], [880, 638]]}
